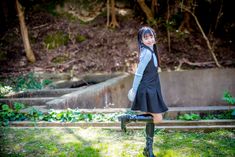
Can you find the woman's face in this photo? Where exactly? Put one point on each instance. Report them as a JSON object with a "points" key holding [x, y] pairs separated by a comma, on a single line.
{"points": [[148, 39]]}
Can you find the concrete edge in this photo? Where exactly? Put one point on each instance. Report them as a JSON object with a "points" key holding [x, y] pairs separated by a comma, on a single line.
{"points": [[117, 124]]}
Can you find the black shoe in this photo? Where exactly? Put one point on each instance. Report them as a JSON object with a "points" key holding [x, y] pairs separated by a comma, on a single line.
{"points": [[148, 153], [148, 150], [124, 119]]}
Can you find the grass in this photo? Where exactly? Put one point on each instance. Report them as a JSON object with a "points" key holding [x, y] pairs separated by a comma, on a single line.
{"points": [[94, 142]]}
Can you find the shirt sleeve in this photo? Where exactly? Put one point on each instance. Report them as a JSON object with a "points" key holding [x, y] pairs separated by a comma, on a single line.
{"points": [[145, 57]]}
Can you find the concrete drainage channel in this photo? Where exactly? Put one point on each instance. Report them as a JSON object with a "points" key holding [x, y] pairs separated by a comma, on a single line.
{"points": [[106, 93], [89, 91]]}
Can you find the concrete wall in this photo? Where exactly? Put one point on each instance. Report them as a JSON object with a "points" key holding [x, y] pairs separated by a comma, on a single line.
{"points": [[108, 94], [197, 87], [179, 88]]}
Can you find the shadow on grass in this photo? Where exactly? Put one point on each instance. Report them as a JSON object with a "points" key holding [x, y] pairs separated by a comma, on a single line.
{"points": [[44, 142], [88, 151]]}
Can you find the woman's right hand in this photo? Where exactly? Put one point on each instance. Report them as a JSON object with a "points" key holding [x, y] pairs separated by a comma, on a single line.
{"points": [[131, 95]]}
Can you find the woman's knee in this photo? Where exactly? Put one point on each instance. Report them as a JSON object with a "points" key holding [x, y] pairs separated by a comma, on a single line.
{"points": [[157, 118]]}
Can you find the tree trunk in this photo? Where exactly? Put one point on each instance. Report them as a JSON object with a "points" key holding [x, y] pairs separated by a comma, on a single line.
{"points": [[108, 10], [185, 24], [168, 31], [154, 7], [114, 22], [24, 33], [146, 10]]}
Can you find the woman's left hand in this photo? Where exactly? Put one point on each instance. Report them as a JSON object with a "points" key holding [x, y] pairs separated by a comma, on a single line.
{"points": [[131, 95]]}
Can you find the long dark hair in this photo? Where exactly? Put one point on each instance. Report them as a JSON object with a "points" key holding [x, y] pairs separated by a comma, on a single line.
{"points": [[147, 30]]}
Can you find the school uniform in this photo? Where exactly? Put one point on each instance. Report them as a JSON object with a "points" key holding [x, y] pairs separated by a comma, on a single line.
{"points": [[146, 84]]}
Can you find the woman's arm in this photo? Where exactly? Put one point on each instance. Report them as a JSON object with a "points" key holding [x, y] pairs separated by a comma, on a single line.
{"points": [[145, 57]]}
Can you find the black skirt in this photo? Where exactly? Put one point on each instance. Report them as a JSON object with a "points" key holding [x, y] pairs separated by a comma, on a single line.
{"points": [[149, 97]]}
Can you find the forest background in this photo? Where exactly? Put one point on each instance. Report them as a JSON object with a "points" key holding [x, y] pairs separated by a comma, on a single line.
{"points": [[87, 36]]}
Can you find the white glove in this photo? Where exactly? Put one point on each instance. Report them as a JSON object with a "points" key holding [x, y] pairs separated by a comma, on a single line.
{"points": [[131, 95]]}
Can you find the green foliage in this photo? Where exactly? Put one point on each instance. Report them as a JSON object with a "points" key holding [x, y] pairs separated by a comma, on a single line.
{"points": [[74, 115], [56, 39], [33, 114], [225, 115], [8, 114], [70, 115], [205, 116], [29, 81], [22, 83], [191, 116], [228, 98]]}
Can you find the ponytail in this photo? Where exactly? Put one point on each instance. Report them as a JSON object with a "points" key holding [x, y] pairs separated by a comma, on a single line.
{"points": [[157, 55]]}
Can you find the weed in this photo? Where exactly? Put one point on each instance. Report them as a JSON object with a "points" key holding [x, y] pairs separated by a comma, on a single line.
{"points": [[191, 116]]}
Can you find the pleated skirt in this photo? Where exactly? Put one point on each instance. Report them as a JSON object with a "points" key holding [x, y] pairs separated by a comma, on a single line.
{"points": [[149, 97]]}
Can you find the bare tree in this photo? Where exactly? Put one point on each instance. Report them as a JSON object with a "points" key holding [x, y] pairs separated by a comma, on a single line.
{"points": [[204, 36], [24, 33]]}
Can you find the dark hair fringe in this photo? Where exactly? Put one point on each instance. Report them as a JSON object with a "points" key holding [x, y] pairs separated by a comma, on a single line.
{"points": [[140, 44]]}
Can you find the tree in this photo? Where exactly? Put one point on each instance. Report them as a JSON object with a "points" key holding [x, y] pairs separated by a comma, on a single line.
{"points": [[185, 24], [24, 33], [204, 36], [148, 12], [114, 22]]}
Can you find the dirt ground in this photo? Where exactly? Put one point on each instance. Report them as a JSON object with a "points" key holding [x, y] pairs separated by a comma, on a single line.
{"points": [[104, 49]]}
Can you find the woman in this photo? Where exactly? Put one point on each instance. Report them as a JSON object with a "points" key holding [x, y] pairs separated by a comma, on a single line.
{"points": [[146, 90]]}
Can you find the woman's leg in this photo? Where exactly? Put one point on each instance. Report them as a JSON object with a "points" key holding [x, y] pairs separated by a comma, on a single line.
{"points": [[157, 118], [125, 119], [148, 150]]}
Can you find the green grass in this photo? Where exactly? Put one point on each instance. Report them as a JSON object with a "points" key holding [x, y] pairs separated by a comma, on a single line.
{"points": [[93, 142]]}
